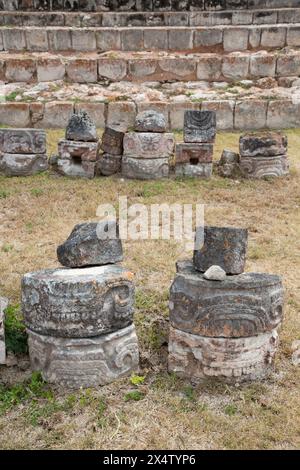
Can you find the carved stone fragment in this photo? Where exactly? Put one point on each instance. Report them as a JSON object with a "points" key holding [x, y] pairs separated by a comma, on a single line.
{"points": [[145, 168], [108, 164], [78, 151], [266, 144], [148, 145], [199, 126], [22, 164], [150, 121], [198, 170], [78, 303], [222, 246], [81, 127], [91, 244], [84, 362], [20, 141], [245, 305], [193, 153], [112, 141], [228, 166], [264, 167]]}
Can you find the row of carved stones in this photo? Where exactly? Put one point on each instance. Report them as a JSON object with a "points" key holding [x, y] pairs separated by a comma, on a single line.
{"points": [[141, 5]]}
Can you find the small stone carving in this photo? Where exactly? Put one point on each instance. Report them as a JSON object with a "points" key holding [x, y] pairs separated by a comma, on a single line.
{"points": [[81, 128], [3, 305], [148, 145], [150, 121], [193, 153], [215, 273], [228, 166], [84, 362], [223, 246], [87, 245], [112, 141], [199, 126]]}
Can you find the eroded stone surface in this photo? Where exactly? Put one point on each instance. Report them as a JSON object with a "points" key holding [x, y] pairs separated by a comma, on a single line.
{"points": [[109, 164], [223, 246], [227, 359], [199, 126], [89, 244], [78, 151], [239, 306], [3, 305], [145, 168], [264, 167], [84, 362], [150, 121], [148, 145], [198, 170], [267, 144], [112, 141], [20, 141], [78, 303], [80, 169], [81, 127], [193, 153], [215, 273], [228, 165], [22, 164]]}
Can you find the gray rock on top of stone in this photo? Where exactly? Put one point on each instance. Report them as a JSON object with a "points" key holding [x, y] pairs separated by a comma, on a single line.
{"points": [[263, 144], [215, 273], [84, 247], [222, 246], [150, 121], [81, 127], [78, 303], [199, 126]]}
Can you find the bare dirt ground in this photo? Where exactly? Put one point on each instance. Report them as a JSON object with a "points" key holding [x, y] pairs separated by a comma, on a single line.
{"points": [[38, 213]]}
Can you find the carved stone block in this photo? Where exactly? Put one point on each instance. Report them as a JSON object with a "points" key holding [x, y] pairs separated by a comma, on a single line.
{"points": [[22, 164], [227, 359], [223, 246], [108, 165], [81, 127], [239, 306], [267, 144], [150, 121], [199, 126], [29, 141], [78, 151], [76, 168], [84, 362], [148, 145], [91, 244], [198, 170], [112, 141], [145, 169], [228, 166], [193, 153], [263, 167], [78, 303], [3, 305]]}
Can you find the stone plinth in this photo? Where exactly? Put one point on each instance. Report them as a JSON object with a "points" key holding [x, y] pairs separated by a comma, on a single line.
{"points": [[145, 169], [22, 164], [77, 158], [78, 303], [3, 305], [84, 362], [263, 167], [222, 246], [193, 160]]}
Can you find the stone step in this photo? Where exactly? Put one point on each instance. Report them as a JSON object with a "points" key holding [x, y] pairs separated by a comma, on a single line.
{"points": [[111, 19], [151, 66], [237, 108], [137, 5], [188, 39]]}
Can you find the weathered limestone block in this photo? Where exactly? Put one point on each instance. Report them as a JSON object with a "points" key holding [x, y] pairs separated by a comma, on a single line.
{"points": [[223, 246], [150, 121], [145, 145], [267, 144], [22, 164], [76, 168], [84, 362], [230, 360], [263, 167], [194, 170], [29, 141], [228, 165], [199, 126], [81, 127], [145, 168], [78, 151], [78, 303], [91, 244], [108, 164], [238, 306], [112, 141], [193, 153], [3, 305]]}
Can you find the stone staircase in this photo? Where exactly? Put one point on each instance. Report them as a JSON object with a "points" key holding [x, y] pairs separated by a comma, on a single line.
{"points": [[241, 58]]}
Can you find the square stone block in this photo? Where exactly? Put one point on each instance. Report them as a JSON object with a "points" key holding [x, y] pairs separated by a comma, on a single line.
{"points": [[3, 305], [199, 126], [145, 169], [112, 141], [22, 164], [78, 151], [20, 70], [82, 70], [49, 70], [194, 153], [23, 141], [148, 145], [84, 362]]}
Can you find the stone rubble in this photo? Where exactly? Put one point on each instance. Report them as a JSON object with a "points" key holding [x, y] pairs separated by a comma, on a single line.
{"points": [[22, 152], [3, 305]]}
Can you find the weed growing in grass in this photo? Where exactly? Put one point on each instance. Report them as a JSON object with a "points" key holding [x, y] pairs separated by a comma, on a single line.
{"points": [[37, 192], [230, 410], [137, 379], [3, 194], [134, 395], [15, 332], [7, 247]]}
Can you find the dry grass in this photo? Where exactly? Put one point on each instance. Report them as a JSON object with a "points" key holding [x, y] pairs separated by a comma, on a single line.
{"points": [[38, 213]]}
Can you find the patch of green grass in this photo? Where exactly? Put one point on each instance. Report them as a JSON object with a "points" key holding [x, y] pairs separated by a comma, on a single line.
{"points": [[36, 192], [15, 332], [134, 395], [189, 393], [137, 379], [12, 96], [3, 194], [7, 247], [35, 387], [230, 410]]}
